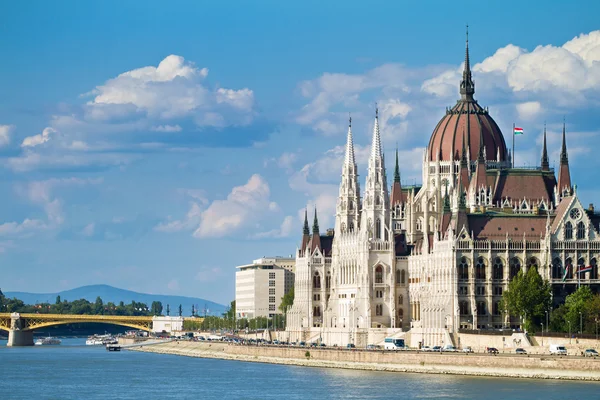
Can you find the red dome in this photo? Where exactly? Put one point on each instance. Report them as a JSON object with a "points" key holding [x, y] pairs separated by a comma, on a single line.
{"points": [[468, 121]]}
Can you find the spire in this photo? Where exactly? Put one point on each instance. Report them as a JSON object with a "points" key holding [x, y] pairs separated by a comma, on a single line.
{"points": [[446, 201], [397, 169], [349, 159], [564, 157], [463, 157], [305, 230], [481, 157], [376, 145], [467, 86], [315, 240], [545, 162], [315, 228]]}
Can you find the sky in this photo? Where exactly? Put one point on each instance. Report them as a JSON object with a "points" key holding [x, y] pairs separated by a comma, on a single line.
{"points": [[156, 146]]}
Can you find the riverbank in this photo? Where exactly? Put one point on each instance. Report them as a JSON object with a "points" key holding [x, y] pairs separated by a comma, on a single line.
{"points": [[510, 366]]}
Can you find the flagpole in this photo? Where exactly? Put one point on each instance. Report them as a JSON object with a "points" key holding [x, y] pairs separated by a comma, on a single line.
{"points": [[513, 153]]}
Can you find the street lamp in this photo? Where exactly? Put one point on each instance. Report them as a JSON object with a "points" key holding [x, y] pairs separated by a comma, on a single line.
{"points": [[543, 333], [569, 322], [546, 320], [580, 323]]}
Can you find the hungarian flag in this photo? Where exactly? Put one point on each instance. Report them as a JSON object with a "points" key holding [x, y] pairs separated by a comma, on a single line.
{"points": [[518, 131], [585, 269], [566, 273]]}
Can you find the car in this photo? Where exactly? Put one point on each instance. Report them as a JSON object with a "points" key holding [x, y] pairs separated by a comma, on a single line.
{"points": [[322, 345], [350, 346], [371, 347], [436, 348], [426, 348], [492, 350], [590, 353], [558, 349], [302, 344], [520, 351], [449, 348], [467, 349]]}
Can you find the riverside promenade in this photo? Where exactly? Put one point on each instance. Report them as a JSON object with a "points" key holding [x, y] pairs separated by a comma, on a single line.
{"points": [[503, 365]]}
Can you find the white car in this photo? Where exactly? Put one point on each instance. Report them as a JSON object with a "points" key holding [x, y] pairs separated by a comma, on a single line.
{"points": [[467, 349]]}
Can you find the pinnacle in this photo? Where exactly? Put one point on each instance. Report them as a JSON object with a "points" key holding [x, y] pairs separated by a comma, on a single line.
{"points": [[349, 158], [376, 144]]}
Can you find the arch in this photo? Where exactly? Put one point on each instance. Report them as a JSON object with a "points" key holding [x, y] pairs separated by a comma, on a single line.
{"points": [[496, 308], [515, 267], [398, 277], [557, 270], [351, 205], [594, 271], [568, 231], [37, 321], [317, 311], [316, 281], [480, 268], [533, 262], [379, 274], [463, 269], [351, 227], [580, 266], [379, 310], [400, 299], [400, 313], [569, 268], [343, 227], [481, 307], [463, 307], [378, 229], [402, 277], [498, 269], [580, 230], [420, 224]]}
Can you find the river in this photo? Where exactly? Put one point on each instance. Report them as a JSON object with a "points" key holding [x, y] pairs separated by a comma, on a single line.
{"points": [[75, 371]]}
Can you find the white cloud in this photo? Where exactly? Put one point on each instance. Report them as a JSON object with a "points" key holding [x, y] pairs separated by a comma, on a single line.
{"points": [[243, 205], [283, 231], [191, 221], [88, 230], [25, 228], [36, 140], [529, 110], [166, 128], [5, 132]]}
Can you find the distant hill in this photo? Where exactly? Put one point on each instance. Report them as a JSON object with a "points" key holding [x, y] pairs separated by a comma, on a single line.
{"points": [[115, 295]]}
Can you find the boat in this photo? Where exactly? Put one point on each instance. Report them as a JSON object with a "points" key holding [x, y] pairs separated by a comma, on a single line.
{"points": [[99, 340], [47, 341]]}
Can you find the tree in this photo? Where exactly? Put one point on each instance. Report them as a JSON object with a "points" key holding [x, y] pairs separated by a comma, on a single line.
{"points": [[578, 303], [287, 301], [57, 300], [98, 306], [180, 310], [156, 308], [168, 309], [528, 296]]}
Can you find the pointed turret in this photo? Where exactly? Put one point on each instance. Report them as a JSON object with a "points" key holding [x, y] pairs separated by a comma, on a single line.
{"points": [[446, 216], [564, 175], [463, 175], [545, 161], [305, 232], [467, 86], [315, 240], [397, 197], [376, 212], [348, 204]]}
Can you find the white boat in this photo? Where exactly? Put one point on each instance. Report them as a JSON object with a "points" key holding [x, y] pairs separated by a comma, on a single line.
{"points": [[47, 341], [99, 340]]}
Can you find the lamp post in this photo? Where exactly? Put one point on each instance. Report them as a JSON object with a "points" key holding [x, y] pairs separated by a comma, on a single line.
{"points": [[580, 323], [543, 333], [569, 322], [596, 320], [546, 321]]}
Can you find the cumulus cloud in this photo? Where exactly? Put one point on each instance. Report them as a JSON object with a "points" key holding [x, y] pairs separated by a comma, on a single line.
{"points": [[283, 231], [529, 110], [5, 132], [36, 140]]}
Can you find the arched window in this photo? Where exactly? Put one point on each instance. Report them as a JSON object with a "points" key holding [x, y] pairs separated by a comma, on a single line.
{"points": [[400, 299], [557, 270], [496, 309], [568, 231], [377, 200], [343, 227], [351, 227], [463, 269], [480, 268], [498, 269], [403, 277], [379, 274], [420, 224], [464, 308], [378, 229], [328, 280], [481, 308], [594, 271], [569, 268], [400, 313], [316, 311], [316, 281], [397, 276], [379, 309], [580, 230], [580, 266], [351, 203], [515, 267], [533, 262]]}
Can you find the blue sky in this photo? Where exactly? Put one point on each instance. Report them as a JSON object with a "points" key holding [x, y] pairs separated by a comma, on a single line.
{"points": [[156, 146]]}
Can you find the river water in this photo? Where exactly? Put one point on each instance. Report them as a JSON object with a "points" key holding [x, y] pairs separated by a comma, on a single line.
{"points": [[75, 371]]}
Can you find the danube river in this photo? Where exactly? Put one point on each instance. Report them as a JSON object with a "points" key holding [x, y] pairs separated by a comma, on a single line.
{"points": [[75, 371]]}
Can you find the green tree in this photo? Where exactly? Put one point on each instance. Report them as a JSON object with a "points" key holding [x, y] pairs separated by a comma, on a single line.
{"points": [[57, 300], [180, 310], [528, 296], [168, 309], [287, 301], [99, 306], [578, 307], [156, 308]]}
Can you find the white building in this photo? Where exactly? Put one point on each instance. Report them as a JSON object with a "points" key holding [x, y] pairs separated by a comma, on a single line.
{"points": [[435, 259], [260, 286], [167, 324]]}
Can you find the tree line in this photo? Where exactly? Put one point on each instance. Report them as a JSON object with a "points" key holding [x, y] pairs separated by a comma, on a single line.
{"points": [[529, 297]]}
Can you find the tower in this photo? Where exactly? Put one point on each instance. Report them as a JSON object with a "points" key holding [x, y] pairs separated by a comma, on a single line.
{"points": [[375, 215], [545, 161], [564, 175], [348, 204]]}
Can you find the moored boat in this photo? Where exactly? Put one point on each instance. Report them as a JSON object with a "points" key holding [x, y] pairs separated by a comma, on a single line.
{"points": [[47, 341]]}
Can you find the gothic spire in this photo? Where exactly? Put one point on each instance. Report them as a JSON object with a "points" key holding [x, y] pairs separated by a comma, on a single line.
{"points": [[564, 157], [305, 230], [467, 86], [397, 169], [349, 159], [463, 157], [545, 161], [376, 144], [315, 227]]}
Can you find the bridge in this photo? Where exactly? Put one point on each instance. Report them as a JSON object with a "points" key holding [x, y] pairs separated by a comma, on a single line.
{"points": [[20, 327]]}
